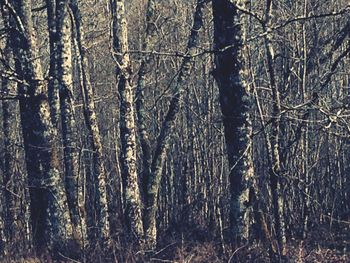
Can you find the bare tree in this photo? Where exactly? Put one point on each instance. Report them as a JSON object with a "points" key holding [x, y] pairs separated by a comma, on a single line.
{"points": [[235, 102], [100, 203], [62, 84], [139, 130], [49, 209], [127, 120]]}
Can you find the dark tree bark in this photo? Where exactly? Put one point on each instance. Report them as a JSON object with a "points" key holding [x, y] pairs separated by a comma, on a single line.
{"points": [[50, 217], [53, 95], [147, 45], [235, 105]]}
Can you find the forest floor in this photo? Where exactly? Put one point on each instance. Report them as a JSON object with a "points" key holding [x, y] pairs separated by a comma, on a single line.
{"points": [[322, 245]]}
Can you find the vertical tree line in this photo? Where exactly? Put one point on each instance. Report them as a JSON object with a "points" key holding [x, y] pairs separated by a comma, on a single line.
{"points": [[137, 130]]}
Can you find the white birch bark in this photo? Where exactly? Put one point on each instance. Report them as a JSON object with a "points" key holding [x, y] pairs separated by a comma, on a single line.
{"points": [[73, 180], [49, 210], [101, 204], [127, 120]]}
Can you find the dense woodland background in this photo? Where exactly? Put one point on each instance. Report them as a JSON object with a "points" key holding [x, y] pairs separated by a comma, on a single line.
{"points": [[175, 131]]}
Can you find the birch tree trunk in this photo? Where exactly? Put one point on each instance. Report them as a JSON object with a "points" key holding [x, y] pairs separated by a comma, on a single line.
{"points": [[53, 95], [73, 180], [164, 137], [235, 102], [100, 195], [127, 120], [147, 45], [50, 217]]}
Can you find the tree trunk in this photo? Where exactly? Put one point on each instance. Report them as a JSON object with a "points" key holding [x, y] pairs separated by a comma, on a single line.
{"points": [[147, 45], [101, 204], [50, 217], [74, 184], [127, 120], [53, 95], [235, 102]]}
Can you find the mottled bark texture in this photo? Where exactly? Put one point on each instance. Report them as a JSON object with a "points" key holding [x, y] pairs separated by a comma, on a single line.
{"points": [[235, 102], [74, 184], [52, 83], [147, 45], [127, 120], [99, 198], [164, 137], [50, 217]]}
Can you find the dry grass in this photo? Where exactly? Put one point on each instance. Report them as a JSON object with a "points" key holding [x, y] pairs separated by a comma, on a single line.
{"points": [[322, 245]]}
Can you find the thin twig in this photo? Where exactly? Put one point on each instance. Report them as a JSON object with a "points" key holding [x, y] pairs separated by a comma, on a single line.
{"points": [[234, 252]]}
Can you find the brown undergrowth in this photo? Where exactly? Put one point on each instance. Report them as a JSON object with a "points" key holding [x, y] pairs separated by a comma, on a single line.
{"points": [[323, 244]]}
